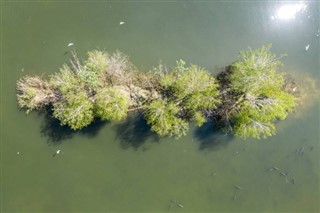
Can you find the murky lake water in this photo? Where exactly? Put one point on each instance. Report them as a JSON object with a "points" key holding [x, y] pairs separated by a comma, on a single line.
{"points": [[122, 167]]}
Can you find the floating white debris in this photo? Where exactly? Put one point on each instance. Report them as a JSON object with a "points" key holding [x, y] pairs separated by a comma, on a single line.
{"points": [[307, 47], [70, 44], [18, 153], [58, 151], [22, 69], [121, 22]]}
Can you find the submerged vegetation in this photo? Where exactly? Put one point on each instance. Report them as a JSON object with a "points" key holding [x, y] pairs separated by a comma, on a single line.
{"points": [[245, 99]]}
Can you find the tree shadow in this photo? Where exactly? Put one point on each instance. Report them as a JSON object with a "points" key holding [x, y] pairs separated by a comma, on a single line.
{"points": [[211, 137], [56, 134], [134, 132], [93, 129]]}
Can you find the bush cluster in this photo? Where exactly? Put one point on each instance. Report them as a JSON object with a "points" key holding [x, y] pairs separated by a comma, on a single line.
{"points": [[246, 99]]}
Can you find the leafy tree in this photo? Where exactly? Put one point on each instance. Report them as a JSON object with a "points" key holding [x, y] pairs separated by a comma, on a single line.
{"points": [[94, 67], [195, 80], [73, 107], [193, 88], [162, 117], [111, 104], [260, 100], [256, 71], [65, 80], [255, 116], [103, 69]]}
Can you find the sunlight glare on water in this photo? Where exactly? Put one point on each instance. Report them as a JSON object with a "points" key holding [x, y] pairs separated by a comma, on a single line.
{"points": [[289, 11]]}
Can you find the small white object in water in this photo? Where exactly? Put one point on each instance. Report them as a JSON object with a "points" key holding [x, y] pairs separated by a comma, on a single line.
{"points": [[18, 153], [58, 151], [121, 22], [307, 47], [70, 44], [22, 70]]}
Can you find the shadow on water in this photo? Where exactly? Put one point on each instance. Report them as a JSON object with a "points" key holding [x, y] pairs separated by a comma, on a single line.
{"points": [[56, 134], [134, 132], [211, 137]]}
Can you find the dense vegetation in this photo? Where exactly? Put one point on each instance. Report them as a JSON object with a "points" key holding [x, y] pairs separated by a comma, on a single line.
{"points": [[255, 94], [245, 99]]}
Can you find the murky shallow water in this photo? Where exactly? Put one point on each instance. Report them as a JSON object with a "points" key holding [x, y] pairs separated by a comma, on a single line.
{"points": [[122, 167]]}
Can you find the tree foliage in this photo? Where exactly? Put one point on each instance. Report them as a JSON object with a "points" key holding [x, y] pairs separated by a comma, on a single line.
{"points": [[74, 109], [92, 70], [111, 104], [256, 71], [260, 100], [65, 80], [248, 98], [162, 117], [193, 88], [196, 81], [73, 106]]}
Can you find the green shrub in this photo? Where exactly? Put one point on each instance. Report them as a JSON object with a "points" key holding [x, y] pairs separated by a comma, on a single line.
{"points": [[111, 104], [162, 117], [256, 71], [260, 100], [74, 109]]}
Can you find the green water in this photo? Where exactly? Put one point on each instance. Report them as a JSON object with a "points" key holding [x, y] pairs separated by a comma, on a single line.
{"points": [[122, 167]]}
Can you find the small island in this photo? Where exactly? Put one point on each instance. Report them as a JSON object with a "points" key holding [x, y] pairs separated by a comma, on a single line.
{"points": [[245, 99]]}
